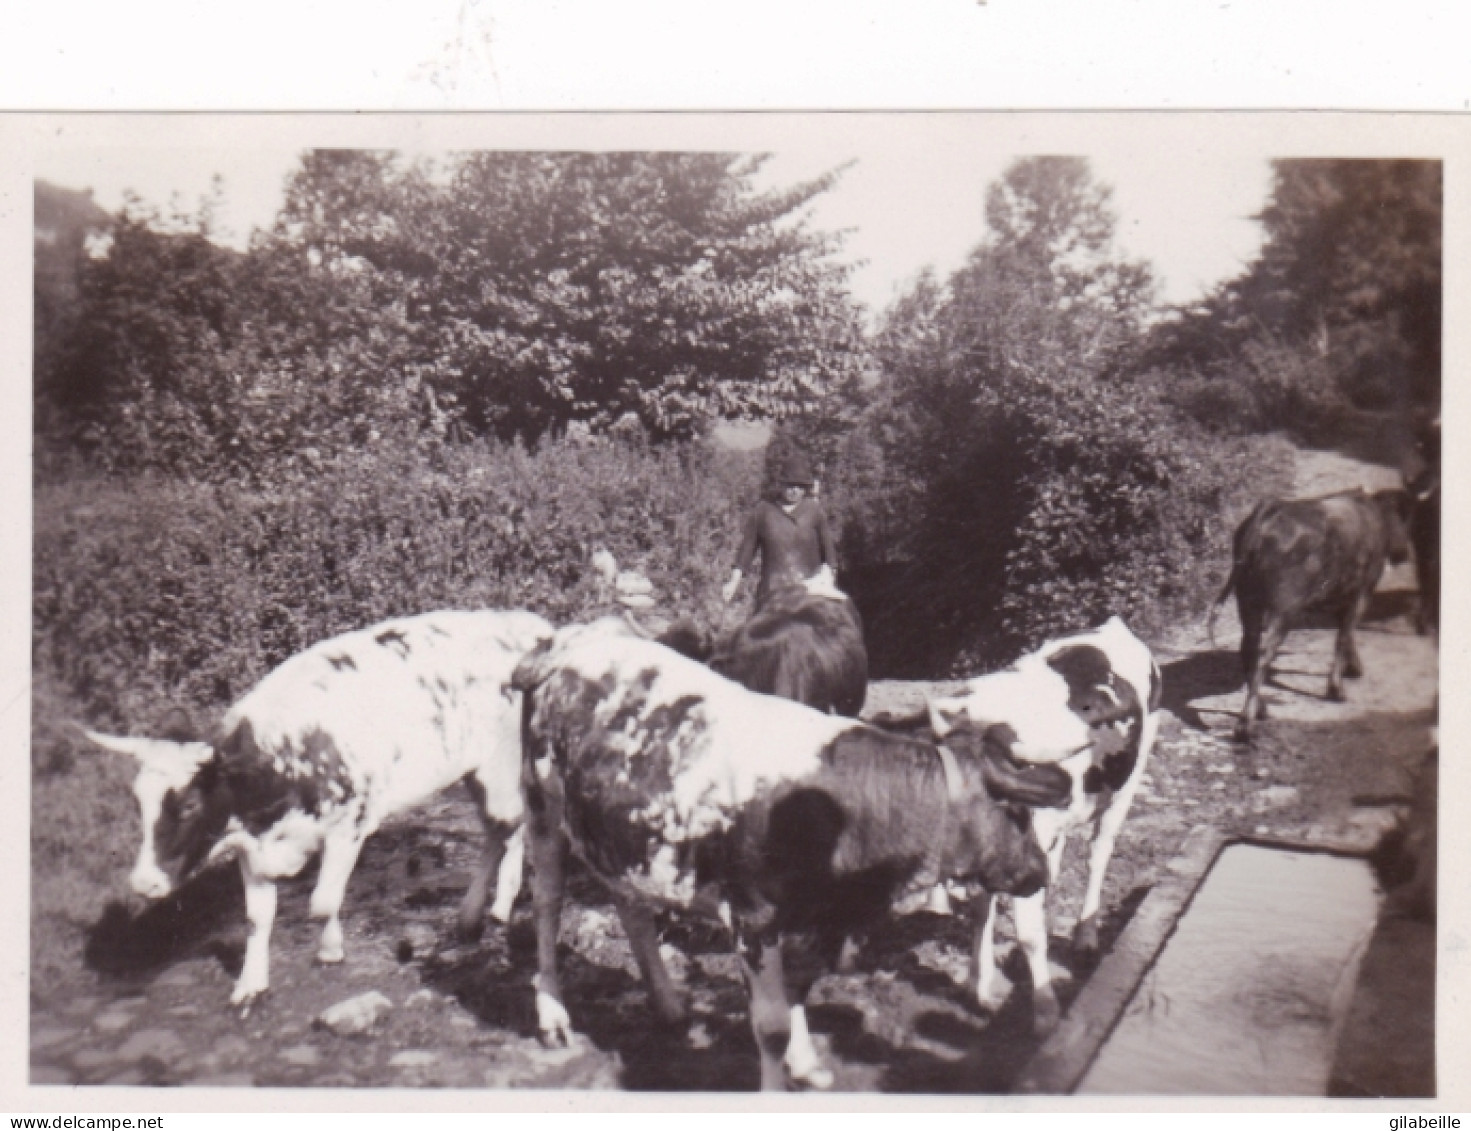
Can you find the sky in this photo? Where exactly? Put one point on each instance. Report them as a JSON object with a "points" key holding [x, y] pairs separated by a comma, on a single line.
{"points": [[908, 206]]}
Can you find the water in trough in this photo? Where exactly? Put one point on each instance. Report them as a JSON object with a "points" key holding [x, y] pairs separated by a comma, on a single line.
{"points": [[1252, 989]]}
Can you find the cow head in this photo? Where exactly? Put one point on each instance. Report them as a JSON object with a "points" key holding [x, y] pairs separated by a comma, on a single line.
{"points": [[173, 786], [1395, 507], [996, 825]]}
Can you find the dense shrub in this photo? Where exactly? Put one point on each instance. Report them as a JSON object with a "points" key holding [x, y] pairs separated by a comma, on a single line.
{"points": [[150, 593], [1066, 504], [1011, 479], [508, 295], [1266, 385]]}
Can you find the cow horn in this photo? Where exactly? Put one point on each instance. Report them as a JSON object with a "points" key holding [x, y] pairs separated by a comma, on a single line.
{"points": [[134, 747], [149, 750]]}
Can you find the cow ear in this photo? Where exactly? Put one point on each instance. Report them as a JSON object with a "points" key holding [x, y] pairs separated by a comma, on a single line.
{"points": [[1041, 785]]}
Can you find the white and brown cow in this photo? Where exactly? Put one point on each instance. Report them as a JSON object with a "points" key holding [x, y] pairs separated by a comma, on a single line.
{"points": [[680, 789], [1086, 703], [330, 743]]}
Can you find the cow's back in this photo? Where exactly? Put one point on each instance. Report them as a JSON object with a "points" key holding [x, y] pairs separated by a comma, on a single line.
{"points": [[1307, 553], [800, 646], [400, 709], [657, 752]]}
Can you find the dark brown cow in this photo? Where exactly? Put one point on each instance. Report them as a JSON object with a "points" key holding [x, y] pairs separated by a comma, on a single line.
{"points": [[1291, 556], [679, 788], [1423, 484], [800, 646]]}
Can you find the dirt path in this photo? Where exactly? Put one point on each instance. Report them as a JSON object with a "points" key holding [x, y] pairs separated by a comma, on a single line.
{"points": [[150, 1005]]}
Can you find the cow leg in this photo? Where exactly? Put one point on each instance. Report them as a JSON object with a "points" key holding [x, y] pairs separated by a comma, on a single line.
{"points": [[548, 861], [802, 1062], [1105, 836], [1346, 660], [491, 863], [804, 1066], [771, 1016], [508, 878], [1255, 706], [260, 910], [983, 953], [643, 940], [1030, 914], [340, 851]]}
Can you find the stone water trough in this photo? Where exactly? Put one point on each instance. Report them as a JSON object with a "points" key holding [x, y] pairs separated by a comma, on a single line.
{"points": [[1254, 967]]}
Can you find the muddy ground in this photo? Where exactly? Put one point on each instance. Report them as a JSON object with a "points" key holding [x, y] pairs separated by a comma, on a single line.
{"points": [[148, 1004]]}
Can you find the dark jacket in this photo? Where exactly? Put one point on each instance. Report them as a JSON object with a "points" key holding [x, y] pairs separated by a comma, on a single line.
{"points": [[793, 547]]}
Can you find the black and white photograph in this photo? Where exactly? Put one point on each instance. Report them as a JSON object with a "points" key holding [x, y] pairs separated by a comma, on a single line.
{"points": [[935, 604]]}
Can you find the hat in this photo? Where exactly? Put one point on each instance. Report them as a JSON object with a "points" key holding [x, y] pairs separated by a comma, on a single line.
{"points": [[795, 469]]}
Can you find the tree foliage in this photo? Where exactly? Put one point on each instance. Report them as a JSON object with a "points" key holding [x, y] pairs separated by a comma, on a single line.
{"points": [[1014, 484], [506, 294], [1342, 305]]}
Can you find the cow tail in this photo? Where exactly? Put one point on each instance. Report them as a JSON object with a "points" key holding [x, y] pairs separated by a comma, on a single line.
{"points": [[1241, 546]]}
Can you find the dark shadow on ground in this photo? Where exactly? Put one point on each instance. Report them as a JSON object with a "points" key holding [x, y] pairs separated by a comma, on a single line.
{"points": [[1391, 605], [189, 923], [895, 1022], [1198, 676]]}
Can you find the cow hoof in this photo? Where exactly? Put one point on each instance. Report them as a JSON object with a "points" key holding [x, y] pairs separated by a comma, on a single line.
{"points": [[330, 956], [501, 914], [469, 928], [1242, 733], [816, 1078], [990, 1001], [553, 1025], [1354, 672], [671, 1015], [244, 998], [1085, 939], [1336, 694], [1045, 1015]]}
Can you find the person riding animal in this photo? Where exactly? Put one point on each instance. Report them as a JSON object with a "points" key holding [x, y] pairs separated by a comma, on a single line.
{"points": [[792, 536]]}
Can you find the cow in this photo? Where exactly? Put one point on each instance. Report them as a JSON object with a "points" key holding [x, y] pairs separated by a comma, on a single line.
{"points": [[1290, 556], [1087, 704], [804, 644], [801, 645], [1422, 481], [678, 788], [323, 749], [1412, 892]]}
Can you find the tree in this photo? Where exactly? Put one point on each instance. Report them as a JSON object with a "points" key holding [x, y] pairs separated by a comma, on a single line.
{"points": [[537, 291], [65, 221], [509, 294], [142, 376], [1346, 290], [1023, 488]]}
